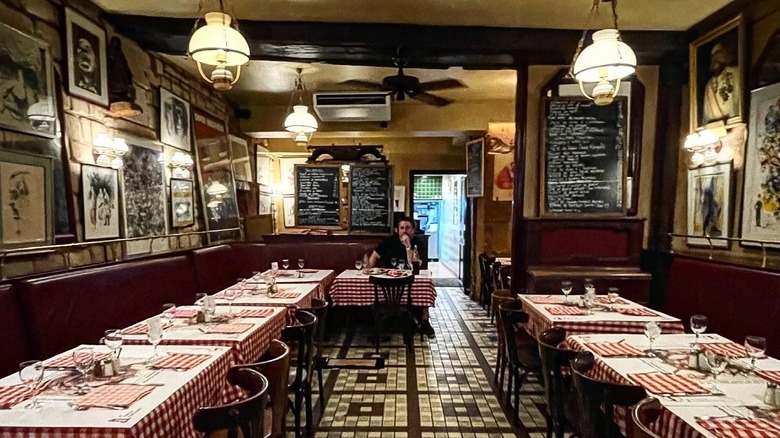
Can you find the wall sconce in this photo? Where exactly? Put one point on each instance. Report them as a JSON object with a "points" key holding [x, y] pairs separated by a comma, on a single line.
{"points": [[702, 145], [181, 163], [109, 151]]}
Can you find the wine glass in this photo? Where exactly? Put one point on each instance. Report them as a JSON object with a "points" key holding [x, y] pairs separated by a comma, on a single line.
{"points": [[590, 301], [698, 326], [209, 307], [393, 261], [83, 358], [199, 297], [274, 268], [358, 264], [590, 288], [154, 333], [230, 295], [613, 294], [717, 363], [566, 289], [755, 346], [285, 263], [31, 374], [113, 340], [168, 311], [301, 263], [652, 331]]}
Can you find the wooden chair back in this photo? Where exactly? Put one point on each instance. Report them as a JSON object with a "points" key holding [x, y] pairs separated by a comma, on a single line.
{"points": [[554, 361], [245, 417], [392, 290], [644, 414], [274, 364]]}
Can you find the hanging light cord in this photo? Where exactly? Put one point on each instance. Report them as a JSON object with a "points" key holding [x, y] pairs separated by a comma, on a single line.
{"points": [[593, 14]]}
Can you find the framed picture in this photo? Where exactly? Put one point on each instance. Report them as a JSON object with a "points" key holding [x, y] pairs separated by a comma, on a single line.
{"points": [[500, 141], [144, 203], [26, 192], [182, 203], [242, 170], [175, 127], [87, 61], [26, 77], [475, 168], [264, 205], [288, 206], [287, 173], [399, 198], [717, 75], [709, 204], [767, 68], [100, 202], [263, 165], [761, 196]]}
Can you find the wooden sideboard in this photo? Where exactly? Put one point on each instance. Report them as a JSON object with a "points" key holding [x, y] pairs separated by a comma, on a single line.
{"points": [[632, 283]]}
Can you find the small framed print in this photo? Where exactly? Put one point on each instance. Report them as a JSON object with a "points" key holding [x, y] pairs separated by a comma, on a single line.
{"points": [[264, 205], [182, 203], [288, 206], [175, 125], [709, 205], [100, 202], [475, 168], [87, 61], [26, 218]]}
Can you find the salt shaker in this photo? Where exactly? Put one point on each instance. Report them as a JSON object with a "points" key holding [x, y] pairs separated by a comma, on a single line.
{"points": [[771, 394], [777, 396]]}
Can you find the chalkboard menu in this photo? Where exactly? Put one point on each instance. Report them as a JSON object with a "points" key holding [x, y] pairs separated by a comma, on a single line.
{"points": [[583, 156], [371, 206], [317, 196]]}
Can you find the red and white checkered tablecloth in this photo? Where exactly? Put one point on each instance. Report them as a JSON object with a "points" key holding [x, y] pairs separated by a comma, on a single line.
{"points": [[351, 289], [323, 278], [540, 319]]}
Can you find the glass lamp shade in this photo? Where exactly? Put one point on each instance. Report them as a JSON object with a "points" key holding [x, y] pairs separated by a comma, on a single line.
{"points": [[103, 141], [103, 160], [607, 58], [216, 188], [692, 142], [710, 156], [217, 43], [300, 120], [697, 159], [301, 139], [41, 111], [117, 163], [119, 146]]}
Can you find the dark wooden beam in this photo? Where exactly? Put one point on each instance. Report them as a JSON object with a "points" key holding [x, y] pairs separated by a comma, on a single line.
{"points": [[518, 186], [374, 44]]}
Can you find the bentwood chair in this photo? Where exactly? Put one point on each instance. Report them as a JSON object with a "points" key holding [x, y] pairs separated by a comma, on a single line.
{"points": [[644, 414], [274, 364], [597, 400], [319, 308], [521, 349], [561, 401], [486, 283], [392, 308], [244, 417], [500, 297], [505, 277], [302, 335]]}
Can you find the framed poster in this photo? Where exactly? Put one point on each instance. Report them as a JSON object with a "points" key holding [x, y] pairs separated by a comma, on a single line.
{"points": [[175, 129], [709, 204], [287, 173], [143, 193], [26, 81], [475, 168], [500, 140], [100, 202], [264, 205], [87, 61], [182, 203], [242, 170], [717, 75], [26, 190], [399, 198], [761, 196], [263, 162], [288, 207]]}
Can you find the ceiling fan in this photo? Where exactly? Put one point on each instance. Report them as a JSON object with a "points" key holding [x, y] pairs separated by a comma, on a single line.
{"points": [[401, 85]]}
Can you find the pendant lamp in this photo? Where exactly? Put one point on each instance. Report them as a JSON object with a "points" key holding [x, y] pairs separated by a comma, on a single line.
{"points": [[219, 44]]}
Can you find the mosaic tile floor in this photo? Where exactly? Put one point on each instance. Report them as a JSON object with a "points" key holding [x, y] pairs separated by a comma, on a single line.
{"points": [[444, 388]]}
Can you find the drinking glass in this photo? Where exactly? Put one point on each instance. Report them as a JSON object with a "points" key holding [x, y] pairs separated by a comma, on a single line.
{"points": [[301, 263], [590, 288], [113, 340], [285, 263], [393, 261], [271, 287], [613, 294], [698, 326], [154, 334], [230, 295], [83, 358], [168, 310], [358, 264], [31, 374], [652, 331], [209, 307], [755, 346], [717, 363], [590, 301], [199, 297], [566, 289], [274, 268]]}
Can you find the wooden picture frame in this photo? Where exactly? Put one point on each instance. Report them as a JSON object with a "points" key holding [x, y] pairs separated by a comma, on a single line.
{"points": [[85, 43], [709, 205], [26, 194], [175, 121], [288, 211], [717, 99], [100, 202], [144, 206], [239, 156], [182, 202], [475, 168]]}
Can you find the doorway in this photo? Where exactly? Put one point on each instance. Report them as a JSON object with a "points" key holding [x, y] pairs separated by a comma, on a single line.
{"points": [[438, 201]]}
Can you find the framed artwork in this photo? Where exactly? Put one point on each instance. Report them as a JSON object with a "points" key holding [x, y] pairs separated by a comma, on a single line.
{"points": [[287, 173], [288, 206], [399, 198], [26, 81], [263, 166], [264, 201], [709, 204], [182, 203], [144, 203], [500, 143], [717, 75], [761, 196], [100, 202], [175, 129], [475, 168], [26, 193], [767, 69], [87, 61], [242, 170]]}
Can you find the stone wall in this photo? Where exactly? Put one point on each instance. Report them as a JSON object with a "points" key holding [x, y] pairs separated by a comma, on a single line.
{"points": [[84, 120]]}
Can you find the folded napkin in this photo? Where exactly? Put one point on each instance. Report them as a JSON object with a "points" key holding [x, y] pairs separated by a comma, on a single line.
{"points": [[121, 396], [772, 376], [731, 350], [309, 271], [286, 295], [66, 361], [741, 428], [11, 396], [255, 313], [670, 384], [615, 349], [564, 310], [229, 328], [179, 361], [141, 329], [547, 300], [601, 299], [636, 311], [185, 313]]}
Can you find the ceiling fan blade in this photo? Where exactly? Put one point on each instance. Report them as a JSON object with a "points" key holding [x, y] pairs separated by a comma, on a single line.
{"points": [[444, 84], [364, 84], [430, 99]]}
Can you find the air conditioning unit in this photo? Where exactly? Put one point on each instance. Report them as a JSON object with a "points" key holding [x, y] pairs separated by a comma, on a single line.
{"points": [[351, 106]]}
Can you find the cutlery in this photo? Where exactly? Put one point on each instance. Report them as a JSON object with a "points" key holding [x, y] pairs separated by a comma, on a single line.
{"points": [[84, 408]]}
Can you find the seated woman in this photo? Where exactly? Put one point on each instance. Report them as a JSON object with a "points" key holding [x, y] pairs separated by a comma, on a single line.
{"points": [[400, 246]]}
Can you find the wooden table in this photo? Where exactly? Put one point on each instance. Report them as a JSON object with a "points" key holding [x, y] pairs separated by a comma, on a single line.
{"points": [[351, 288]]}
